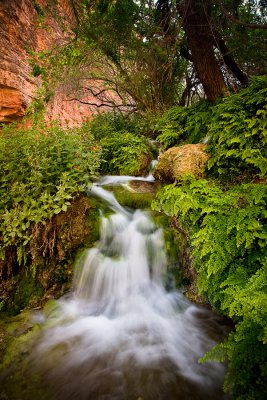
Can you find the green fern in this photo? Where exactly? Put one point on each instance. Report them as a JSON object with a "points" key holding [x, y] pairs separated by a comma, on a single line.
{"points": [[238, 132], [228, 236], [184, 123]]}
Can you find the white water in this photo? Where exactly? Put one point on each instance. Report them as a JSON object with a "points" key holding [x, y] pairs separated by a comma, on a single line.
{"points": [[124, 179], [121, 335]]}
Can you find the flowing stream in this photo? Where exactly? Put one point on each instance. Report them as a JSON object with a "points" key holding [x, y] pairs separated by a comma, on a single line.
{"points": [[121, 334]]}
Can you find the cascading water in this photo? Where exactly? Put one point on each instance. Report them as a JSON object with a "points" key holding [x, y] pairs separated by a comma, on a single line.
{"points": [[121, 335]]}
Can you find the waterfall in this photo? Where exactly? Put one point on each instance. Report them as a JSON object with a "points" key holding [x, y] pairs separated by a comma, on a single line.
{"points": [[121, 334]]}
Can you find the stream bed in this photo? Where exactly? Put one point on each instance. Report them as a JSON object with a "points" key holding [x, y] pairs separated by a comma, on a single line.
{"points": [[120, 334]]}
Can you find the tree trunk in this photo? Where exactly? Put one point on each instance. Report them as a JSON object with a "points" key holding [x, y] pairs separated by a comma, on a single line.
{"points": [[230, 62], [200, 39]]}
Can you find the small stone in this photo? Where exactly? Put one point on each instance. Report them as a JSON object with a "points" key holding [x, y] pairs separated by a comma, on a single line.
{"points": [[143, 186]]}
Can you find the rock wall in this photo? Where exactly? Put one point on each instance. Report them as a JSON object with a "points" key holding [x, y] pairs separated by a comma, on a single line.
{"points": [[28, 25], [51, 252], [17, 20]]}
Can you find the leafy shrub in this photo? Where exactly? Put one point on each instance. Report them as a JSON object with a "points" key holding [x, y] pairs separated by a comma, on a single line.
{"points": [[141, 125], [42, 169], [238, 132], [124, 144], [108, 123], [126, 154], [229, 238], [227, 227]]}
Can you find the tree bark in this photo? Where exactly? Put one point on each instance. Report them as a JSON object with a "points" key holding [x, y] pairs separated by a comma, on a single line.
{"points": [[230, 62], [200, 39]]}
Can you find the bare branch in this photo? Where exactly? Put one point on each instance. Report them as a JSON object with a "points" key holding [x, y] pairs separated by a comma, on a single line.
{"points": [[92, 92], [109, 104]]}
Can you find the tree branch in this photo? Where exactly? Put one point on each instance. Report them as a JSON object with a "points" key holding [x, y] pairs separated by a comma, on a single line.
{"points": [[110, 104], [238, 21], [92, 92], [229, 60]]}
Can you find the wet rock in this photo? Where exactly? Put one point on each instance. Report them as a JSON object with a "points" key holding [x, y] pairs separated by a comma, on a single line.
{"points": [[176, 162], [143, 186], [184, 252]]}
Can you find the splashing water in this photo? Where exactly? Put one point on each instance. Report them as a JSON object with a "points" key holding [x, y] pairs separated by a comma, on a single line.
{"points": [[124, 179], [121, 335]]}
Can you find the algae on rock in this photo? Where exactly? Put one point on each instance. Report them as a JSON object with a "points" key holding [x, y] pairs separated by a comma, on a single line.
{"points": [[177, 162]]}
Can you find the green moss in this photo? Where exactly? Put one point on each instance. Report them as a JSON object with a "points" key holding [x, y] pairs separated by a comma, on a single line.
{"points": [[17, 378], [92, 223], [28, 292], [131, 199]]}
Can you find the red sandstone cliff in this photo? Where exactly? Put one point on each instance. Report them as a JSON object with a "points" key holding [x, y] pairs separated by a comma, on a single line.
{"points": [[24, 27]]}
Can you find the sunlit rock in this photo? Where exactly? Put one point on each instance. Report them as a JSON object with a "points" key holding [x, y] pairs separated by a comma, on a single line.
{"points": [[176, 162]]}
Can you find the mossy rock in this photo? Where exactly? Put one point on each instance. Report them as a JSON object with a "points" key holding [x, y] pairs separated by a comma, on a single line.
{"points": [[17, 379], [128, 198], [177, 162]]}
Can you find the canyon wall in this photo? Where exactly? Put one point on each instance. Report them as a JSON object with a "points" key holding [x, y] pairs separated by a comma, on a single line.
{"points": [[28, 26]]}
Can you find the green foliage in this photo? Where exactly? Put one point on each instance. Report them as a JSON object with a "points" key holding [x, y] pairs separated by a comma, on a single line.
{"points": [[229, 237], [117, 20], [43, 168], [184, 124], [247, 45], [141, 45], [228, 226], [238, 132], [106, 124], [125, 154], [236, 129], [139, 124], [125, 150]]}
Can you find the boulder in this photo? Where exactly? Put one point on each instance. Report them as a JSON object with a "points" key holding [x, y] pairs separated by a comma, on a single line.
{"points": [[176, 162]]}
